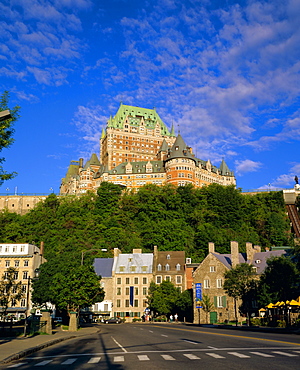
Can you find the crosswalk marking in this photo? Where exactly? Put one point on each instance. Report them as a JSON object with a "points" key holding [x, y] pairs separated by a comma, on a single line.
{"points": [[94, 360], [143, 357], [261, 354], [215, 355], [285, 354], [191, 356], [43, 363], [17, 365], [167, 357], [237, 354], [119, 359], [69, 361]]}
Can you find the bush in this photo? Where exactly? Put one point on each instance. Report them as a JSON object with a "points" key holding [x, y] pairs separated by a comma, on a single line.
{"points": [[136, 319], [281, 323], [256, 321]]}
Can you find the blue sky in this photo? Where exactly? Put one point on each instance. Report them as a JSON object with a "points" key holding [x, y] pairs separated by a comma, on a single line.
{"points": [[226, 73]]}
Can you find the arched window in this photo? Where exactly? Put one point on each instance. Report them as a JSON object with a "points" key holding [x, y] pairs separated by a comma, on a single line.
{"points": [[178, 267], [159, 267], [167, 267]]}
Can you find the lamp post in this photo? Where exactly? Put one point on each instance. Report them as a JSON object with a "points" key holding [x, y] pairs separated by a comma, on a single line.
{"points": [[91, 250], [36, 276]]}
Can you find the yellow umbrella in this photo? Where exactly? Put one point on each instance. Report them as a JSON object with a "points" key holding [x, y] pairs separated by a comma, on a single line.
{"points": [[270, 305], [294, 303]]}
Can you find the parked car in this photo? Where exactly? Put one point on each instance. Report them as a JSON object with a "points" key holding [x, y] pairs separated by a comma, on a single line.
{"points": [[113, 320], [58, 320]]}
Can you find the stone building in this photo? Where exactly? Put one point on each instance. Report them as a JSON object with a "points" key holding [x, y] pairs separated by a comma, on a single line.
{"points": [[137, 148], [26, 259], [170, 266], [210, 273]]}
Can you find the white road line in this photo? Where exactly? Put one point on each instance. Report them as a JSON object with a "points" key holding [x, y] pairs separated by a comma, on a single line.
{"points": [[17, 365], [189, 341], [240, 355], [69, 361], [143, 358], [119, 359], [43, 363], [212, 347], [191, 356], [118, 344], [94, 360], [215, 355], [261, 354], [150, 331], [167, 357], [164, 335], [296, 351], [284, 354]]}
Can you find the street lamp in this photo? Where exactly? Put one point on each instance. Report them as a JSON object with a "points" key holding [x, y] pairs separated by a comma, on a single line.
{"points": [[91, 250], [36, 276], [4, 115]]}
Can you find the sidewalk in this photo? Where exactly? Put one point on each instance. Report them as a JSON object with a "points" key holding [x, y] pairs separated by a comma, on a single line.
{"points": [[15, 348]]}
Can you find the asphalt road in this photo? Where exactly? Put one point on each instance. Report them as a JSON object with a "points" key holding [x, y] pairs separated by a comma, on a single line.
{"points": [[168, 346]]}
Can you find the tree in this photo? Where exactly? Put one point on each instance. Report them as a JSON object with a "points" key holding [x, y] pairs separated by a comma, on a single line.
{"points": [[165, 299], [207, 305], [239, 282], [279, 282], [10, 290], [68, 285], [6, 132]]}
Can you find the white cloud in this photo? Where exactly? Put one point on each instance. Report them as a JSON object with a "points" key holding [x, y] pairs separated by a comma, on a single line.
{"points": [[245, 166]]}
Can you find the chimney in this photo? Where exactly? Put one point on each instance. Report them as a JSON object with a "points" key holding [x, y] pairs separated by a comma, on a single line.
{"points": [[116, 252], [234, 253], [211, 247], [41, 249], [249, 251], [137, 251], [257, 248], [155, 250], [80, 162]]}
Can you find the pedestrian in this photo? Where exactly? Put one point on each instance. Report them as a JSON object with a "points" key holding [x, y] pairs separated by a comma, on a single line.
{"points": [[176, 317], [171, 318]]}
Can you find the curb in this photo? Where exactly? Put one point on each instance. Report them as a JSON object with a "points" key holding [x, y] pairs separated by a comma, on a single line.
{"points": [[28, 351]]}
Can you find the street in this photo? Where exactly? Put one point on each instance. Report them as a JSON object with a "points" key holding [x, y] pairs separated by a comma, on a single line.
{"points": [[168, 346]]}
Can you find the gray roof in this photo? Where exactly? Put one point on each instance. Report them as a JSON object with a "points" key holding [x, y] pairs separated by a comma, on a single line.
{"points": [[103, 266], [259, 259], [138, 167], [143, 263], [180, 150]]}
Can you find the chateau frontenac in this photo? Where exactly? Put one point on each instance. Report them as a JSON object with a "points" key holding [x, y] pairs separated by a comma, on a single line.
{"points": [[137, 148]]}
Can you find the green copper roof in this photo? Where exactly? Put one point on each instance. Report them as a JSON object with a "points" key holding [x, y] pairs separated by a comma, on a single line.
{"points": [[138, 167], [225, 171], [135, 116], [72, 172]]}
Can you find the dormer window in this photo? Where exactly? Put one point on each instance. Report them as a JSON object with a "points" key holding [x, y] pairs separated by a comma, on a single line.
{"points": [[258, 261], [168, 257], [167, 267], [133, 268], [159, 267], [178, 267], [121, 268]]}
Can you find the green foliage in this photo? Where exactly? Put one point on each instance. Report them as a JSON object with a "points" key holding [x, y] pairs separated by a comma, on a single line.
{"points": [[165, 299], [207, 305], [240, 283], [279, 282], [6, 133], [67, 284], [173, 218], [10, 289]]}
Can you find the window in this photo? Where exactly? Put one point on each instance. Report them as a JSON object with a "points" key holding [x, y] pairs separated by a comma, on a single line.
{"points": [[26, 263], [136, 303], [168, 257], [144, 268], [212, 268], [118, 302], [136, 280], [178, 267], [13, 302], [24, 288], [145, 303], [23, 302], [221, 301], [219, 283], [133, 268], [127, 291], [127, 281], [127, 303], [206, 283], [119, 280], [136, 291], [16, 275], [7, 263], [25, 275], [118, 291], [178, 279], [17, 263], [159, 267], [167, 267], [158, 279], [168, 278], [145, 280], [144, 291], [121, 268]]}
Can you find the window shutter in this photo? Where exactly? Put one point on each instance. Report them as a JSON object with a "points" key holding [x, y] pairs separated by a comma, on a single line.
{"points": [[216, 301], [224, 300]]}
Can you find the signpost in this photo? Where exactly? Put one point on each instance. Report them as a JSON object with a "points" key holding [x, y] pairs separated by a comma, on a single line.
{"points": [[198, 298]]}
